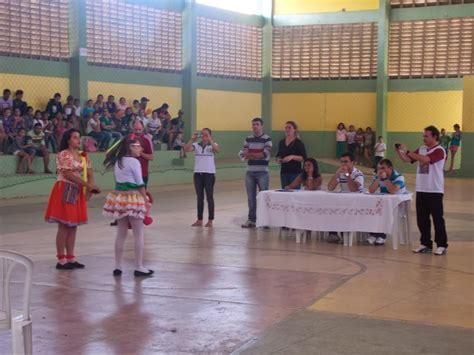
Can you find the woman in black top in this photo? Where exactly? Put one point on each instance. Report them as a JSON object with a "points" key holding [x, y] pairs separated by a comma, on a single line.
{"points": [[291, 153]]}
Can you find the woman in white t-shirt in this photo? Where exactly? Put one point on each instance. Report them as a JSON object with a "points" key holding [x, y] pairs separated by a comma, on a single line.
{"points": [[380, 149], [204, 172]]}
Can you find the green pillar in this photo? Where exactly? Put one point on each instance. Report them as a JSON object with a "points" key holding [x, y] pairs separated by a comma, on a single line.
{"points": [[267, 65], [78, 50], [382, 67], [188, 92]]}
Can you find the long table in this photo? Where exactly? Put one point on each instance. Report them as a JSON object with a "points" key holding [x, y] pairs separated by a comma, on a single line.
{"points": [[334, 211]]}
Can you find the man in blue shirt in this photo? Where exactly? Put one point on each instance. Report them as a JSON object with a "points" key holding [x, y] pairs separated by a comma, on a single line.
{"points": [[389, 181]]}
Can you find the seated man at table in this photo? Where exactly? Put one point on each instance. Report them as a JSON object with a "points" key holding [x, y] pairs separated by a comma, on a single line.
{"points": [[350, 179], [389, 181]]}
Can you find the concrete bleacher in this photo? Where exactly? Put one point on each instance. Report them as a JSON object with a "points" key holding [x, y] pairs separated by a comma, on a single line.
{"points": [[167, 168]]}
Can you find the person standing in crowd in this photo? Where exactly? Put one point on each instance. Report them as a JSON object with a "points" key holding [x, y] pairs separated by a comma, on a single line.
{"points": [[5, 101], [19, 103], [351, 140], [177, 127], [110, 105], [146, 155], [204, 173], [369, 141], [310, 178], [389, 181], [291, 153], [359, 138], [256, 151], [444, 141], [89, 109], [99, 104], [379, 154], [341, 139], [429, 189], [129, 188], [350, 179], [67, 203], [36, 135], [68, 107], [455, 144], [54, 105]]}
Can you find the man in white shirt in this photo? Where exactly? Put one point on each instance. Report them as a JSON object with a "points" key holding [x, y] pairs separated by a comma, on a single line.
{"points": [[350, 179], [429, 189]]}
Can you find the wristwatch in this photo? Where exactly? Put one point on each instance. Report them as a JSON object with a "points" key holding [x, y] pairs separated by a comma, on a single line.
{"points": [[346, 174]]}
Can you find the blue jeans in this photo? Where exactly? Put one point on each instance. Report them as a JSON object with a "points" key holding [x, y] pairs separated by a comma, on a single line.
{"points": [[252, 180], [102, 138], [288, 178]]}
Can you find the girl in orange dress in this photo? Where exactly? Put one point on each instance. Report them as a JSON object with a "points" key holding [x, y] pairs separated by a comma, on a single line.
{"points": [[67, 202]]}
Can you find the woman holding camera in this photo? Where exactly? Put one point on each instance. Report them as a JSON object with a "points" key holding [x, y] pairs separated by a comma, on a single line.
{"points": [[204, 172], [67, 203]]}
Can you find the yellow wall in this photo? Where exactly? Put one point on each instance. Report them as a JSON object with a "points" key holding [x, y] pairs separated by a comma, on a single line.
{"points": [[227, 110], [286, 7], [412, 111], [37, 89], [323, 111], [468, 105], [156, 94]]}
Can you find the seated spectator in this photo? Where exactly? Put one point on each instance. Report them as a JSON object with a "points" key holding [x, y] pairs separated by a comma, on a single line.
{"points": [[126, 122], [310, 178], [99, 104], [94, 130], [19, 103], [349, 178], [6, 101], [17, 120], [28, 118], [142, 117], [37, 119], [8, 122], [59, 126], [178, 144], [110, 105], [48, 129], [89, 109], [68, 108], [136, 107], [74, 122], [389, 181], [54, 105], [3, 138], [143, 104], [177, 126], [154, 127], [122, 107], [76, 106], [21, 149], [36, 138], [164, 108], [108, 125]]}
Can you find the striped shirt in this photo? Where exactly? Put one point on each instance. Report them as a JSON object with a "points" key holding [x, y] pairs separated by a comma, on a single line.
{"points": [[396, 179], [257, 145], [356, 175]]}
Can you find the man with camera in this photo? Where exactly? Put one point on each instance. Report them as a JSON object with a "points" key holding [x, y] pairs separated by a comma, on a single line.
{"points": [[429, 189]]}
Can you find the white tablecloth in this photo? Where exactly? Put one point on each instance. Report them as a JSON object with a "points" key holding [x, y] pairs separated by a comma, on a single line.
{"points": [[329, 211]]}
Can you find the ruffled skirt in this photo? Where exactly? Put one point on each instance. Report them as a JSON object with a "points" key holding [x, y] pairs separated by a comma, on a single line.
{"points": [[120, 204]]}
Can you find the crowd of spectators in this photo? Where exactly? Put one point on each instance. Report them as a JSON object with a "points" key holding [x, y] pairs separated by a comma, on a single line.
{"points": [[31, 132]]}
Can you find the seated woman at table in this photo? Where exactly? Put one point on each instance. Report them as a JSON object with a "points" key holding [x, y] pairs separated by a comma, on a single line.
{"points": [[389, 181], [310, 178]]}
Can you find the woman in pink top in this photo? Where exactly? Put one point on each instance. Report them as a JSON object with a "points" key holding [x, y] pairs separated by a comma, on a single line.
{"points": [[341, 138]]}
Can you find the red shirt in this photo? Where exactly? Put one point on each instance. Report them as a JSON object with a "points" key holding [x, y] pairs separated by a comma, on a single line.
{"points": [[147, 149]]}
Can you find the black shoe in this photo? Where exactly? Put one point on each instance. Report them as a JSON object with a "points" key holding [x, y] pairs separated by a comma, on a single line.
{"points": [[137, 273], [77, 265], [117, 272], [114, 223], [67, 266]]}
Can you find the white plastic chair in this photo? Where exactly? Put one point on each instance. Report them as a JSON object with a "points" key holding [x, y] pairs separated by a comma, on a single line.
{"points": [[19, 322]]}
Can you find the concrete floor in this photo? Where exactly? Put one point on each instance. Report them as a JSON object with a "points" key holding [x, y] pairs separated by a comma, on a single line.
{"points": [[229, 289]]}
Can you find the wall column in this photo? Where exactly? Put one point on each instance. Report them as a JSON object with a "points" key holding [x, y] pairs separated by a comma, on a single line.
{"points": [[382, 68], [267, 91], [188, 92], [78, 48]]}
